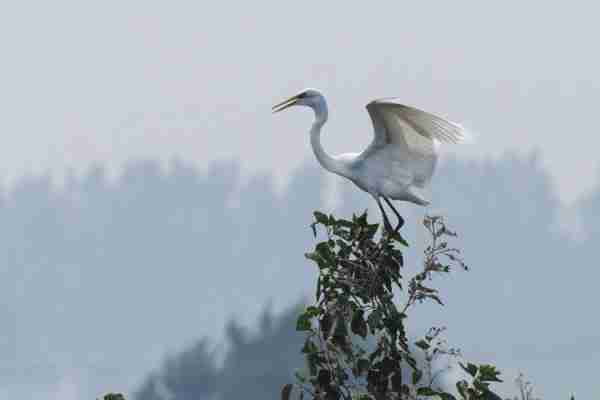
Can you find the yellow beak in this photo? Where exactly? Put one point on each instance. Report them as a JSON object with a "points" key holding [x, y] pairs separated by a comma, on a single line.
{"points": [[285, 104]]}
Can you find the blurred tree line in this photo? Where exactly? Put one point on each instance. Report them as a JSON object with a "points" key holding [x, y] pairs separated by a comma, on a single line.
{"points": [[154, 228]]}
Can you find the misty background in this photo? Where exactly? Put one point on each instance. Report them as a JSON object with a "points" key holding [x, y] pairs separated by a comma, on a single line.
{"points": [[102, 280], [149, 197]]}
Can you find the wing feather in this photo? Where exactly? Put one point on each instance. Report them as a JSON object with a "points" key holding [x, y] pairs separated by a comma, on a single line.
{"points": [[404, 151], [396, 123]]}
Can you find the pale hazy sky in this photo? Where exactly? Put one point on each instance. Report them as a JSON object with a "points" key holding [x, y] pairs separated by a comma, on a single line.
{"points": [[109, 81]]}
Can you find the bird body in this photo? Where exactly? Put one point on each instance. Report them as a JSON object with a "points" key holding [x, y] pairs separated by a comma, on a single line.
{"points": [[400, 160], [391, 173]]}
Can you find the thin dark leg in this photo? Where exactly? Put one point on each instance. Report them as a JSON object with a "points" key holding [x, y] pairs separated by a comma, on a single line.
{"points": [[400, 219], [386, 221]]}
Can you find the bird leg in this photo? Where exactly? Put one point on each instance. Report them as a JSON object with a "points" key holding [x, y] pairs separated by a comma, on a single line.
{"points": [[400, 219], [386, 221]]}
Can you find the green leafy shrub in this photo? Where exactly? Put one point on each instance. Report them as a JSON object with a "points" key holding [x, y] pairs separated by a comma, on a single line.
{"points": [[360, 274]]}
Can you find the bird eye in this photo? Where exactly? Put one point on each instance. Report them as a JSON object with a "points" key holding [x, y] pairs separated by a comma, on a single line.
{"points": [[302, 95]]}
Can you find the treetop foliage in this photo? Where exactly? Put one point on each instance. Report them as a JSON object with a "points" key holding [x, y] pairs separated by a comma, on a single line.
{"points": [[359, 273]]}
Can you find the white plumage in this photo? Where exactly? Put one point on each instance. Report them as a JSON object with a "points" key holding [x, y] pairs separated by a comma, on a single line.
{"points": [[400, 160]]}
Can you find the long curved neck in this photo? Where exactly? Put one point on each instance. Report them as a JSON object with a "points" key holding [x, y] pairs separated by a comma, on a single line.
{"points": [[327, 161]]}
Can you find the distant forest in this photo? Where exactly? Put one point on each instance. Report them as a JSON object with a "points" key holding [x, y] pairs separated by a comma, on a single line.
{"points": [[104, 279]]}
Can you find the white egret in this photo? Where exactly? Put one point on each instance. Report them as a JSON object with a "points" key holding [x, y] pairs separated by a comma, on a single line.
{"points": [[400, 160]]}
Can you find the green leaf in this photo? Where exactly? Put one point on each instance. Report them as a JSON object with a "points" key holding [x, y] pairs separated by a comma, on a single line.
{"points": [[488, 373], [411, 361], [312, 311], [309, 347], [405, 389], [479, 385], [373, 378], [462, 386], [416, 376], [321, 218], [303, 323], [332, 220], [340, 327], [312, 360], [362, 365], [286, 391], [489, 395], [332, 393], [300, 376], [324, 378], [317, 259], [371, 230], [422, 344], [362, 220], [447, 396], [358, 325], [388, 366], [375, 354], [374, 319], [397, 382], [394, 322], [470, 368], [344, 223], [436, 298], [325, 325], [114, 396], [318, 291], [426, 391], [322, 249], [398, 238], [340, 333]]}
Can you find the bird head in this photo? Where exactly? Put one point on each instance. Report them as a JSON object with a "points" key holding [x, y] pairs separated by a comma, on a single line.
{"points": [[308, 97]]}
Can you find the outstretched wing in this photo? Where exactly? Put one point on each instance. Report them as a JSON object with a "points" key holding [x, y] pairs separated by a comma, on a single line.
{"points": [[415, 130]]}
